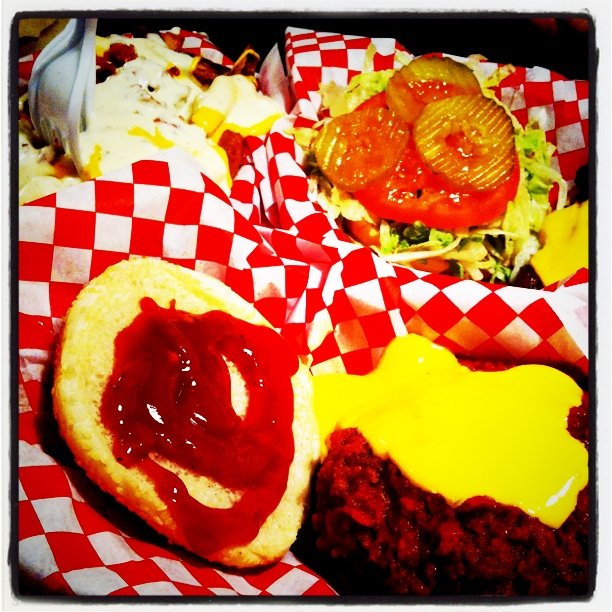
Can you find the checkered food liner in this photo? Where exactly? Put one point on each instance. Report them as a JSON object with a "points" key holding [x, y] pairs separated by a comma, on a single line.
{"points": [[476, 318], [340, 303]]}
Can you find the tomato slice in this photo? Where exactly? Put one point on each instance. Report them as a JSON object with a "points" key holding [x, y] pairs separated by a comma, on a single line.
{"points": [[363, 231], [431, 264], [413, 192], [378, 100]]}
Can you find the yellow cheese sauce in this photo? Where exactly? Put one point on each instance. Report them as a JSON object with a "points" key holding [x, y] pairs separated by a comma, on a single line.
{"points": [[233, 103], [461, 433], [92, 168]]}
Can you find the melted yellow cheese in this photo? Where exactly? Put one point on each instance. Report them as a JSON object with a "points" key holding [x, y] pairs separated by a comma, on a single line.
{"points": [[233, 103], [253, 129], [463, 434], [565, 235], [209, 119], [157, 138], [92, 168]]}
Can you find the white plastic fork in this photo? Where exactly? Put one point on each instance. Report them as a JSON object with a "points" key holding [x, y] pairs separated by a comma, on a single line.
{"points": [[61, 88]]}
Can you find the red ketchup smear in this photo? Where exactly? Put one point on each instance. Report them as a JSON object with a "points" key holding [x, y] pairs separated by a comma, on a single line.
{"points": [[169, 395]]}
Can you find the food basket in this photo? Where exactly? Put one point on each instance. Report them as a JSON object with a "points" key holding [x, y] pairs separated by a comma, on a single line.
{"points": [[275, 247]]}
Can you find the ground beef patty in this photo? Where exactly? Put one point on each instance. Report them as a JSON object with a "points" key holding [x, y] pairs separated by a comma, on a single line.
{"points": [[380, 534]]}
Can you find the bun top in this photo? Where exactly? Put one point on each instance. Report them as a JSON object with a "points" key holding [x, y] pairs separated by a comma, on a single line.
{"points": [[170, 396], [181, 400]]}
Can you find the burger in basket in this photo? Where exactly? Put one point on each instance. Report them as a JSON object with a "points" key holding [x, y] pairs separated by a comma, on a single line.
{"points": [[428, 168], [451, 477]]}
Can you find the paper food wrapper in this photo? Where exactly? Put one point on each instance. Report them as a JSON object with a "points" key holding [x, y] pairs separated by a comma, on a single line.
{"points": [[270, 243]]}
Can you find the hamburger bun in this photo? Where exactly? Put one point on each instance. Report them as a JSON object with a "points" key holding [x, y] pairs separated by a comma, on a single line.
{"points": [[84, 363]]}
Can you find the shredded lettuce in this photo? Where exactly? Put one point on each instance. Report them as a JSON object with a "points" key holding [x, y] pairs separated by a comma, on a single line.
{"points": [[414, 240], [346, 207], [525, 215], [536, 155], [415, 233], [368, 60], [470, 249], [442, 238], [389, 240], [497, 76], [341, 100], [303, 136]]}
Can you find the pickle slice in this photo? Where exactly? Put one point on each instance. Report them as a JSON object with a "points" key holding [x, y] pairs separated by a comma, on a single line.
{"points": [[467, 139], [449, 72], [354, 149], [403, 99], [428, 79]]}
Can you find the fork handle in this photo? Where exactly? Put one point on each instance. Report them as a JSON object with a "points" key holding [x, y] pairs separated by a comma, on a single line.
{"points": [[76, 46]]}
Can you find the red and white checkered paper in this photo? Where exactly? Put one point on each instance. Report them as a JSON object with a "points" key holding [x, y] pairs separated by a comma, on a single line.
{"points": [[267, 240]]}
